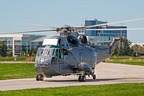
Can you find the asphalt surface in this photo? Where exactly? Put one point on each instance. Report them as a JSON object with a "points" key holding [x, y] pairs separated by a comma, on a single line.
{"points": [[107, 73]]}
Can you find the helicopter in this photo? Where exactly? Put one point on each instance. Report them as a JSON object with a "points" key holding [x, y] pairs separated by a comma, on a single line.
{"points": [[69, 54]]}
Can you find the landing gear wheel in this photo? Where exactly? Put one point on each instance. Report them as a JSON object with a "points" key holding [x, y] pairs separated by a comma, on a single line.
{"points": [[80, 78], [83, 78], [39, 77], [94, 76]]}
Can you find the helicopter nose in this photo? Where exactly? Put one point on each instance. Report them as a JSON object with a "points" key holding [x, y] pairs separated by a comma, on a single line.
{"points": [[47, 62], [43, 62]]}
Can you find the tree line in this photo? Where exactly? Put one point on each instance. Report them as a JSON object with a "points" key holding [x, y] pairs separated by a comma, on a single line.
{"points": [[124, 48]]}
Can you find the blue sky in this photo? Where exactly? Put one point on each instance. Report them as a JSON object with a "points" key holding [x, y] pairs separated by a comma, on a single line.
{"points": [[16, 15]]}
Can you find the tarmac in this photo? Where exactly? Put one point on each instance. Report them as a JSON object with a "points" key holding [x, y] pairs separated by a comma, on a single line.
{"points": [[107, 73]]}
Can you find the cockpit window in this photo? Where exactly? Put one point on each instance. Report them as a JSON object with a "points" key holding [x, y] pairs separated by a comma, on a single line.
{"points": [[46, 52], [51, 51], [58, 53], [61, 53], [40, 52], [54, 46]]}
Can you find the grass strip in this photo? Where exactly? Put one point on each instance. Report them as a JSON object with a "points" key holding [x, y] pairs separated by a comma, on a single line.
{"points": [[127, 60], [92, 90], [16, 71]]}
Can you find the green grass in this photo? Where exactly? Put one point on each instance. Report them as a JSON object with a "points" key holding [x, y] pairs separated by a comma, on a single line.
{"points": [[12, 59], [127, 60], [17, 58], [93, 90], [15, 71]]}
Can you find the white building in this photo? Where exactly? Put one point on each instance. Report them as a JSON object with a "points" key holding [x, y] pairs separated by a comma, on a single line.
{"points": [[20, 43]]}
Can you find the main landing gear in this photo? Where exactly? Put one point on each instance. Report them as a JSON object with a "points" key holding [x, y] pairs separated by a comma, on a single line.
{"points": [[39, 77], [82, 78]]}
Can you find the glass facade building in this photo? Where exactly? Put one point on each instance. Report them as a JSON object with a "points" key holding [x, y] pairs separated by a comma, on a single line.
{"points": [[100, 36], [93, 22], [20, 43]]}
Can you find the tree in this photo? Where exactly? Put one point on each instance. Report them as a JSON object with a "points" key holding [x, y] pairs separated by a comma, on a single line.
{"points": [[123, 48], [33, 52], [3, 49], [138, 49]]}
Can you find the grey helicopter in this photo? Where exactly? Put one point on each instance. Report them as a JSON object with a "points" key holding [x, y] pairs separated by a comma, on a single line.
{"points": [[69, 54]]}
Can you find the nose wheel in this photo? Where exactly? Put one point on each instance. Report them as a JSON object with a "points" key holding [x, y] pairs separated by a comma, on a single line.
{"points": [[94, 76], [39, 77]]}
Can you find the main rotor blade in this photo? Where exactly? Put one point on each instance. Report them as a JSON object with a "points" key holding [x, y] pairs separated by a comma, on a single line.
{"points": [[117, 22], [119, 29], [46, 37], [41, 25], [28, 31]]}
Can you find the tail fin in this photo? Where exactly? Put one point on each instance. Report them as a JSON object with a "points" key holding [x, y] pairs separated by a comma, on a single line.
{"points": [[113, 45], [104, 53]]}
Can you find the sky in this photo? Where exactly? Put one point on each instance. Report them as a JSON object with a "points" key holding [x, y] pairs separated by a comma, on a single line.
{"points": [[18, 15]]}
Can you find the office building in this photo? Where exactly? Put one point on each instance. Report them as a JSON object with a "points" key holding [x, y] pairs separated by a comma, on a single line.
{"points": [[100, 37], [18, 44]]}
